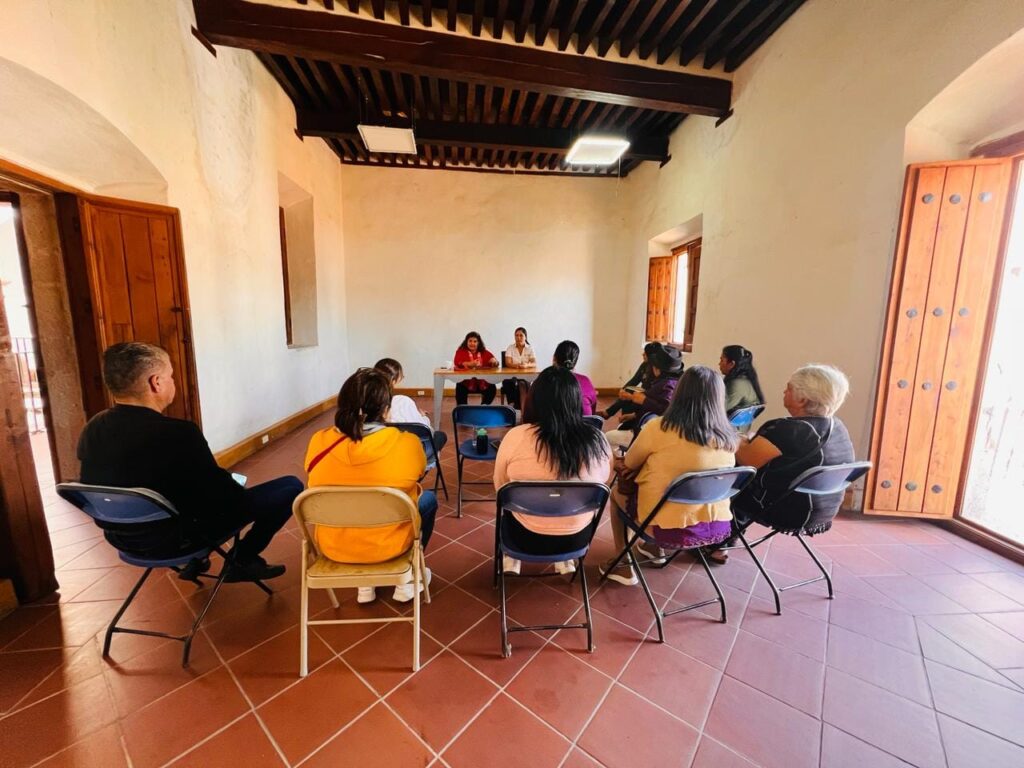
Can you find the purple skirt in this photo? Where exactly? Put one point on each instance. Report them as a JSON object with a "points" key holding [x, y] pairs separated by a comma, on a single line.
{"points": [[696, 535]]}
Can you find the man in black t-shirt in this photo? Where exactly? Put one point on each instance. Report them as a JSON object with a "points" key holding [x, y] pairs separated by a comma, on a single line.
{"points": [[133, 445]]}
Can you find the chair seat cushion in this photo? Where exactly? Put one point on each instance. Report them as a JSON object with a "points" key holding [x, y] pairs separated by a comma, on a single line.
{"points": [[468, 449], [324, 568]]}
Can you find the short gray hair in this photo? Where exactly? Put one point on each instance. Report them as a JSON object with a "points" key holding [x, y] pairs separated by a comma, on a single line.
{"points": [[824, 387], [128, 364]]}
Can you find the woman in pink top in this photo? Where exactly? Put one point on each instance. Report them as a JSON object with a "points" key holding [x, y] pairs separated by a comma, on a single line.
{"points": [[557, 445]]}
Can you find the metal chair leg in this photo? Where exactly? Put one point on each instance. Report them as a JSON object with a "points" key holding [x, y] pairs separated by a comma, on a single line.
{"points": [[714, 581], [817, 562], [112, 627], [647, 592], [439, 476], [506, 646], [767, 578], [458, 495], [201, 616], [586, 604]]}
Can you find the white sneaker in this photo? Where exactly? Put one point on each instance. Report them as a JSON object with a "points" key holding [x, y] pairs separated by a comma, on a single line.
{"points": [[650, 558], [366, 595], [510, 565], [404, 592], [565, 567]]}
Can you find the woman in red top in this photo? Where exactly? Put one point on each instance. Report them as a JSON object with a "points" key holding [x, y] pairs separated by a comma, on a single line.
{"points": [[470, 355]]}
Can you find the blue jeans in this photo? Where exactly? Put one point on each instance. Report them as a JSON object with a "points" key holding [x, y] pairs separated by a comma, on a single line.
{"points": [[428, 511]]}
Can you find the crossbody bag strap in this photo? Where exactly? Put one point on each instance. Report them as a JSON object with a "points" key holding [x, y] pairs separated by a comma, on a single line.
{"points": [[320, 456]]}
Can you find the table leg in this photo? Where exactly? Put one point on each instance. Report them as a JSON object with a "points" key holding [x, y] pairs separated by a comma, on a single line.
{"points": [[438, 399]]}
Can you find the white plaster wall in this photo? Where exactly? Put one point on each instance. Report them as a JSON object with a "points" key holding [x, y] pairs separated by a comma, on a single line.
{"points": [[431, 255], [218, 130], [800, 189]]}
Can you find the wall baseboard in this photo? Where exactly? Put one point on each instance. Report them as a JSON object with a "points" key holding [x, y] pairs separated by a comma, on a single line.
{"points": [[429, 392], [247, 447]]}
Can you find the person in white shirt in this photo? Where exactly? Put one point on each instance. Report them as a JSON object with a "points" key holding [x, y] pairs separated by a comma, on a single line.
{"points": [[403, 408], [518, 355]]}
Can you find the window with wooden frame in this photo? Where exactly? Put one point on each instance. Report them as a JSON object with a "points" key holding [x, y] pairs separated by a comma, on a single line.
{"points": [[672, 283]]}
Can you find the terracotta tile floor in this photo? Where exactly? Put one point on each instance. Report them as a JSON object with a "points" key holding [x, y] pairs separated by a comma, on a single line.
{"points": [[919, 660]]}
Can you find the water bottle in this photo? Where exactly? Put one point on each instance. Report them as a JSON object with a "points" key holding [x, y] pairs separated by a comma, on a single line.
{"points": [[481, 440]]}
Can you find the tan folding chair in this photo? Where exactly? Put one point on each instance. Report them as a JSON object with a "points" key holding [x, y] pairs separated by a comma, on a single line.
{"points": [[355, 507]]}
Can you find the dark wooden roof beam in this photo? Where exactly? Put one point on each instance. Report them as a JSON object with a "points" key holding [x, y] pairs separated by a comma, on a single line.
{"points": [[744, 48], [565, 32], [344, 126], [751, 18], [368, 43], [638, 30]]}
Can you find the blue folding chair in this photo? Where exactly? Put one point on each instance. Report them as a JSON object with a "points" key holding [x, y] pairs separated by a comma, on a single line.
{"points": [[129, 508], [742, 418], [706, 487], [426, 436], [594, 419], [816, 481], [546, 499], [476, 417]]}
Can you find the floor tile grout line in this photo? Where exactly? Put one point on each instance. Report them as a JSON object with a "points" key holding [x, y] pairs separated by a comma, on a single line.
{"points": [[206, 739]]}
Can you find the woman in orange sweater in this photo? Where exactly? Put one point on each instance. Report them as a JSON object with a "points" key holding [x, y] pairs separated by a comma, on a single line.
{"points": [[360, 450]]}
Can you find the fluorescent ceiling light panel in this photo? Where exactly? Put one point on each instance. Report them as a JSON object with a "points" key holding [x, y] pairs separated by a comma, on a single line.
{"points": [[380, 138], [596, 150]]}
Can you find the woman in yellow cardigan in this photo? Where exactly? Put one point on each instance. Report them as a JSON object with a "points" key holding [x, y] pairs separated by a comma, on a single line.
{"points": [[361, 450]]}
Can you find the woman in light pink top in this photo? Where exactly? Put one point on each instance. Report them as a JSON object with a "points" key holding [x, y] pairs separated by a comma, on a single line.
{"points": [[557, 445]]}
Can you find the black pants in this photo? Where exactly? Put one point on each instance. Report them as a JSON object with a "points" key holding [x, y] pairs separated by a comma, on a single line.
{"points": [[269, 507], [518, 536], [626, 406], [487, 395], [510, 391]]}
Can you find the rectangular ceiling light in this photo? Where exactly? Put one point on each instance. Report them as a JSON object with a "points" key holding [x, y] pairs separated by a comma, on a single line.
{"points": [[596, 150], [380, 138]]}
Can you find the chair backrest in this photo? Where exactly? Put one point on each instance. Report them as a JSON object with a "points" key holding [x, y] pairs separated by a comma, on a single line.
{"points": [[707, 486], [486, 416], [644, 419], [552, 498], [818, 481], [594, 419], [346, 506], [124, 506], [742, 418], [422, 431]]}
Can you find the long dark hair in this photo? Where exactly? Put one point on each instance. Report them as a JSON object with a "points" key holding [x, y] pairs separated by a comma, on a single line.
{"points": [[364, 397], [526, 336], [743, 368], [697, 410], [566, 441], [479, 342], [566, 354]]}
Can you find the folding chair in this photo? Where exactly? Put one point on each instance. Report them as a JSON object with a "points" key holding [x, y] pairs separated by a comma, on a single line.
{"points": [[426, 436], [546, 499], [706, 487], [130, 507], [354, 507], [476, 417], [743, 418], [594, 419], [816, 481]]}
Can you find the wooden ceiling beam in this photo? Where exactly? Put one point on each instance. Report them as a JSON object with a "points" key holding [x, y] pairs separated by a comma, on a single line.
{"points": [[363, 42], [585, 37], [499, 19], [628, 42], [606, 42], [707, 31], [694, 14], [741, 26], [344, 126], [744, 48], [540, 32], [565, 33], [427, 9], [524, 20]]}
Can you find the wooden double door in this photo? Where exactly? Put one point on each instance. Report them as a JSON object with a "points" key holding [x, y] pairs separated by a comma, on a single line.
{"points": [[952, 231]]}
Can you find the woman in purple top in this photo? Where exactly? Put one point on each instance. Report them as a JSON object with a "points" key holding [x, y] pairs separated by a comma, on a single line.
{"points": [[567, 353], [666, 364]]}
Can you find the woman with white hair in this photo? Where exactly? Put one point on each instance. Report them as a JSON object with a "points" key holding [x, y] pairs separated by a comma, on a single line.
{"points": [[811, 436]]}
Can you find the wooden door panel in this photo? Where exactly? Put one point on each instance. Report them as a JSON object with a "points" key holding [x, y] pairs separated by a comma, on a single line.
{"points": [[967, 327], [139, 293], [660, 297], [935, 314], [115, 309], [906, 339]]}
